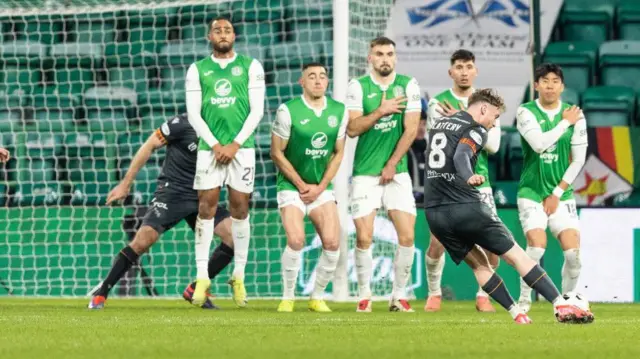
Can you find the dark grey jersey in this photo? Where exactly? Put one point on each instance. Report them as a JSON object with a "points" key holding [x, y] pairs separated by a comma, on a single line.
{"points": [[179, 168], [443, 183]]}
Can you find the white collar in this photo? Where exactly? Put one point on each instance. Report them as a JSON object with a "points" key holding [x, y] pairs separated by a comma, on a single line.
{"points": [[224, 62], [555, 110], [458, 97], [316, 111], [383, 87]]}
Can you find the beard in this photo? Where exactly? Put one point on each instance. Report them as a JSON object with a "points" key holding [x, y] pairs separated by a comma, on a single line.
{"points": [[223, 48], [464, 87], [385, 71]]}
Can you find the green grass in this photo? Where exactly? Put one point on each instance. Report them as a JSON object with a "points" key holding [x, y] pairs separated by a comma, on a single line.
{"points": [[62, 328]]}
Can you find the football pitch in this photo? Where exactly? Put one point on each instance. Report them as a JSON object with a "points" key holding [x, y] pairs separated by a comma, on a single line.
{"points": [[139, 328]]}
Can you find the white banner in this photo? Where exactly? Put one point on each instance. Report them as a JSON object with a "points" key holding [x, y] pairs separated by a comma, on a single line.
{"points": [[427, 32], [607, 254]]}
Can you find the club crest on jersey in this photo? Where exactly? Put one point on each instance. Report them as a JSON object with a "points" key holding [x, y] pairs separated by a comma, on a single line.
{"points": [[476, 137], [236, 71], [333, 121], [398, 91], [222, 87]]}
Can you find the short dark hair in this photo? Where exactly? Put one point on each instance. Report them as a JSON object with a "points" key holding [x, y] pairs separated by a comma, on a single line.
{"points": [[462, 55], [548, 68], [489, 96], [219, 18], [379, 41], [314, 64]]}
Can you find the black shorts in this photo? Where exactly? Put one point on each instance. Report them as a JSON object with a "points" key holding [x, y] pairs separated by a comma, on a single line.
{"points": [[167, 209], [459, 227]]}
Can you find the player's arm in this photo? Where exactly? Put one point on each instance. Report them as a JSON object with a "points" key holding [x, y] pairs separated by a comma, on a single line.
{"points": [[154, 142], [493, 139], [579, 144], [193, 94], [256, 102], [338, 153], [279, 139], [470, 144], [358, 123], [411, 121], [530, 129]]}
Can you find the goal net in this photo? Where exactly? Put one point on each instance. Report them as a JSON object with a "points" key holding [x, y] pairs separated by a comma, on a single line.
{"points": [[83, 83]]}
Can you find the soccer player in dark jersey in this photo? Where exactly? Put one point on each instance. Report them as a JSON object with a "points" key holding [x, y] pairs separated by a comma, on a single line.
{"points": [[464, 224], [174, 200]]}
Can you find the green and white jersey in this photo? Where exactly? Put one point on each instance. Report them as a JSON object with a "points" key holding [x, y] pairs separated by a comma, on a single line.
{"points": [[493, 139], [542, 172], [312, 135], [376, 145], [225, 85]]}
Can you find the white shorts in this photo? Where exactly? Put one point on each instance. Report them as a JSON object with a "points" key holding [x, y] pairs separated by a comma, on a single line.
{"points": [[486, 195], [532, 216], [368, 195], [239, 174], [292, 198]]}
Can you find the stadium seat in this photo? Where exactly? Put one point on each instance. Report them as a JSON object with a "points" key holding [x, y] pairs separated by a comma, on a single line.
{"points": [[571, 96], [578, 61], [99, 28], [22, 52], [46, 29], [42, 151], [260, 33], [160, 106], [293, 55], [184, 53], [587, 20], [514, 156], [148, 30], [258, 10], [128, 145], [277, 95], [74, 65], [8, 171], [107, 108], [134, 78], [52, 112], [193, 20], [173, 77], [311, 31], [255, 51], [606, 106], [20, 79], [10, 112], [89, 164], [309, 10], [37, 194], [145, 183], [620, 63], [628, 20], [287, 78]]}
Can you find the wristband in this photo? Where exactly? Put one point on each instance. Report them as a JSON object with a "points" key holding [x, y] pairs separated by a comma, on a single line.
{"points": [[558, 192]]}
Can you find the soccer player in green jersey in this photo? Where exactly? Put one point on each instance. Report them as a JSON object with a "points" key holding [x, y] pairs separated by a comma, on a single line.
{"points": [[307, 146], [384, 112], [463, 72], [554, 145], [225, 102]]}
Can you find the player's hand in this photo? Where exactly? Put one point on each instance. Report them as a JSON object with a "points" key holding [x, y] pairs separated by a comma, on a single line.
{"points": [[388, 172], [4, 155], [303, 188], [119, 192], [218, 152], [392, 105], [312, 193], [550, 204], [445, 109], [572, 114], [475, 180]]}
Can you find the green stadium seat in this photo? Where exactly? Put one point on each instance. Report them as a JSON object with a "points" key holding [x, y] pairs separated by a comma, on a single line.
{"points": [[22, 52], [309, 10], [85, 54], [570, 96], [200, 15], [41, 157], [184, 53], [3, 195], [628, 20], [514, 156], [38, 194], [260, 33], [8, 171], [107, 108], [258, 10], [254, 51], [145, 183], [587, 20], [620, 63], [99, 28], [47, 29], [134, 78], [311, 31], [606, 106], [279, 94], [173, 77], [578, 61], [11, 112], [89, 166], [73, 65], [160, 106], [128, 145], [286, 78], [52, 112], [90, 194], [293, 55], [148, 30]]}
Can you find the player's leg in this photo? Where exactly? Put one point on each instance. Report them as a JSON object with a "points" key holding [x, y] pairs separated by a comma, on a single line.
{"points": [[483, 304], [564, 224], [366, 198], [401, 207], [240, 184], [534, 224], [434, 264], [292, 212], [209, 178], [323, 213]]}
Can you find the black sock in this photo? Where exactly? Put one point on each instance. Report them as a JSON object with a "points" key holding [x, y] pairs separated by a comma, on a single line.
{"points": [[498, 291], [125, 258], [220, 259], [538, 279]]}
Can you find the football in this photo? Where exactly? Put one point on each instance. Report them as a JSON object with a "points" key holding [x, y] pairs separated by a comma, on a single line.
{"points": [[578, 300]]}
